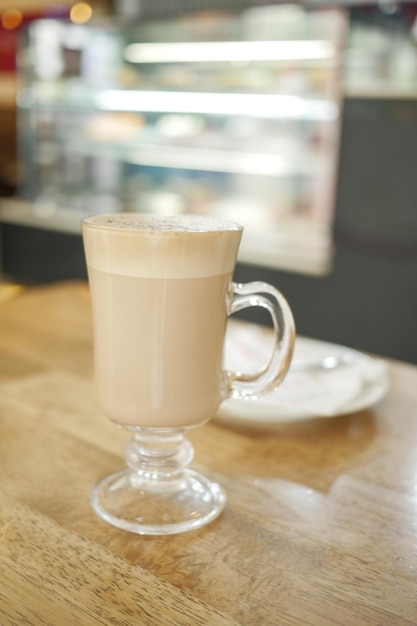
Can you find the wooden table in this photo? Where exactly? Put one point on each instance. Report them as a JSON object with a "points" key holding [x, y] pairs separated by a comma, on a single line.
{"points": [[320, 525]]}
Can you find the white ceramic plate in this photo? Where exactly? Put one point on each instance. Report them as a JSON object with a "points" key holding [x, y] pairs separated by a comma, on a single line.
{"points": [[307, 392]]}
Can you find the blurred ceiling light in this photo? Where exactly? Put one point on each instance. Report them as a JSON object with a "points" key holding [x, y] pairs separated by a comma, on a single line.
{"points": [[234, 51], [255, 105], [11, 19], [80, 13]]}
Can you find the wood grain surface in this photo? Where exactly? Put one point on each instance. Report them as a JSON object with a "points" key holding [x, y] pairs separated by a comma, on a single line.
{"points": [[320, 527]]}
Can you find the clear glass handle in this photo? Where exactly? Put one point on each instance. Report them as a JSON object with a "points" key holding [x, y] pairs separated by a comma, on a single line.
{"points": [[266, 379]]}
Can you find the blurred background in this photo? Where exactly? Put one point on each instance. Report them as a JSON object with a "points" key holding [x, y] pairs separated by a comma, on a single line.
{"points": [[297, 120]]}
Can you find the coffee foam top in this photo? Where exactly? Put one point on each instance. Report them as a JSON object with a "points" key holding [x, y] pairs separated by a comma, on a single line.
{"points": [[162, 223], [150, 246]]}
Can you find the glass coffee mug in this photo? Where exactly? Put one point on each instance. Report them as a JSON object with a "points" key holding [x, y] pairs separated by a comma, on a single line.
{"points": [[161, 291]]}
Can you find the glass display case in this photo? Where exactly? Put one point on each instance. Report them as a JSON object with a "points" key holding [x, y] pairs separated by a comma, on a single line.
{"points": [[234, 115]]}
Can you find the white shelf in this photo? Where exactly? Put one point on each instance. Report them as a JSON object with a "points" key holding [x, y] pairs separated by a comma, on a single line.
{"points": [[202, 159], [284, 250], [20, 213]]}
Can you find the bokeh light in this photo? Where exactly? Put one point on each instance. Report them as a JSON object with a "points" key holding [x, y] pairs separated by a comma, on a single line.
{"points": [[80, 13], [11, 19]]}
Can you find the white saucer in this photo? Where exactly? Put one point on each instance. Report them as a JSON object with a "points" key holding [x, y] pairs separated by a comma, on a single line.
{"points": [[309, 391]]}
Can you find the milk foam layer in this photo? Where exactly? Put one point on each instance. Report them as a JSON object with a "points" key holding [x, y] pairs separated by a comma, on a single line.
{"points": [[162, 223], [132, 244]]}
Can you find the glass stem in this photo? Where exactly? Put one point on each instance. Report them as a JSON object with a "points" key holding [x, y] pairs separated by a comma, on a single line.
{"points": [[158, 454]]}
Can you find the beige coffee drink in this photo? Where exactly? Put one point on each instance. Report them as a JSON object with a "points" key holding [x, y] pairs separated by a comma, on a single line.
{"points": [[159, 290]]}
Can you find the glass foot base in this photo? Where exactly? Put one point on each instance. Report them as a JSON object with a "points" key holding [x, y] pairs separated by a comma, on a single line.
{"points": [[147, 506]]}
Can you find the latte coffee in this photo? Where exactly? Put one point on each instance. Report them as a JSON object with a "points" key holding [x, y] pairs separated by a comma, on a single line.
{"points": [[159, 289]]}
